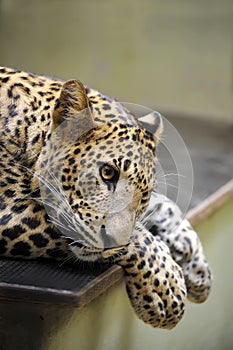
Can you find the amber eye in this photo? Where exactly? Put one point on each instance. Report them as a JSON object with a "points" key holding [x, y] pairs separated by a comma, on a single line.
{"points": [[108, 173]]}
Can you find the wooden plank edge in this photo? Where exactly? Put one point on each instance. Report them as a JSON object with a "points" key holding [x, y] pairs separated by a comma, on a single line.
{"points": [[211, 204], [10, 292]]}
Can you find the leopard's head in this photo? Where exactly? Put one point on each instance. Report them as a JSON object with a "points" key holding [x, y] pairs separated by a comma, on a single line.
{"points": [[99, 171]]}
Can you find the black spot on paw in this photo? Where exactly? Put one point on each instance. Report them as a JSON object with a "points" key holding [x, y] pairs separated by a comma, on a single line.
{"points": [[147, 274], [147, 298], [137, 286], [141, 265]]}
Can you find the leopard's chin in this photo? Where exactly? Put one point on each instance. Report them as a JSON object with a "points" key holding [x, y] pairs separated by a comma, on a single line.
{"points": [[84, 253]]}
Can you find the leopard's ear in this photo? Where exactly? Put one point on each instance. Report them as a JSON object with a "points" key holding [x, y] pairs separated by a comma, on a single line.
{"points": [[153, 123], [73, 99]]}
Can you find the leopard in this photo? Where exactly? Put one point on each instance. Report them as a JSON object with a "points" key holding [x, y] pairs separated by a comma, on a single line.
{"points": [[77, 181]]}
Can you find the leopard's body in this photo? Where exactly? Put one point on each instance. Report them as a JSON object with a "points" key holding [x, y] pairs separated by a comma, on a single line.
{"points": [[77, 171]]}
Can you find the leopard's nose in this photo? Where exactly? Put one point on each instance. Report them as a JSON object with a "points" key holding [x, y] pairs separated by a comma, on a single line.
{"points": [[108, 240], [118, 228]]}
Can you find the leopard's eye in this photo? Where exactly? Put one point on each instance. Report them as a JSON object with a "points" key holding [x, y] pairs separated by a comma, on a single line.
{"points": [[109, 173]]}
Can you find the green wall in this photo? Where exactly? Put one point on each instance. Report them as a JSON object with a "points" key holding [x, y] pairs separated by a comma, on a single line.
{"points": [[171, 55]]}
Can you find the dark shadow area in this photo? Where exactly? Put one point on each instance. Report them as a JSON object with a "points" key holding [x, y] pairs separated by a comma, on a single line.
{"points": [[210, 145]]}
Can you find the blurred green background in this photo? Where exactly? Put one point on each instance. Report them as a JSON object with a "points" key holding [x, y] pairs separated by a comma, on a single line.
{"points": [[171, 55]]}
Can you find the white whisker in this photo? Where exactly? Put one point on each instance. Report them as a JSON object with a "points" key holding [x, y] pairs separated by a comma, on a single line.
{"points": [[167, 184], [170, 174]]}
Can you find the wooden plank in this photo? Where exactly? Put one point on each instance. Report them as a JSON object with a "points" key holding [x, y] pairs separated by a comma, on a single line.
{"points": [[211, 204]]}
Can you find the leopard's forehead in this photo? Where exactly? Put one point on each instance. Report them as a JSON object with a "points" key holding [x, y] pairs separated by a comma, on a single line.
{"points": [[109, 110], [124, 146], [121, 137]]}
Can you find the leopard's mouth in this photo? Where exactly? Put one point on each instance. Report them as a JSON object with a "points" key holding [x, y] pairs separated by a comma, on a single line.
{"points": [[92, 254]]}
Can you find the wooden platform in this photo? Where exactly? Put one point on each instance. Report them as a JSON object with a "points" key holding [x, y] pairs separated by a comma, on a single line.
{"points": [[47, 282]]}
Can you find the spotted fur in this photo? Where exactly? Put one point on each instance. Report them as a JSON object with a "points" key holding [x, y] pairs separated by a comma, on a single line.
{"points": [[164, 220], [60, 143], [31, 108], [155, 282]]}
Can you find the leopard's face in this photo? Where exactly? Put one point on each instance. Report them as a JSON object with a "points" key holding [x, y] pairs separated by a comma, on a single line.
{"points": [[111, 187], [106, 177]]}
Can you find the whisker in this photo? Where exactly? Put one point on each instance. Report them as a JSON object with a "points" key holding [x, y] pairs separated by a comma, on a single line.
{"points": [[58, 204], [170, 174], [70, 257], [78, 242], [47, 183], [167, 184], [65, 216], [53, 176], [57, 224]]}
